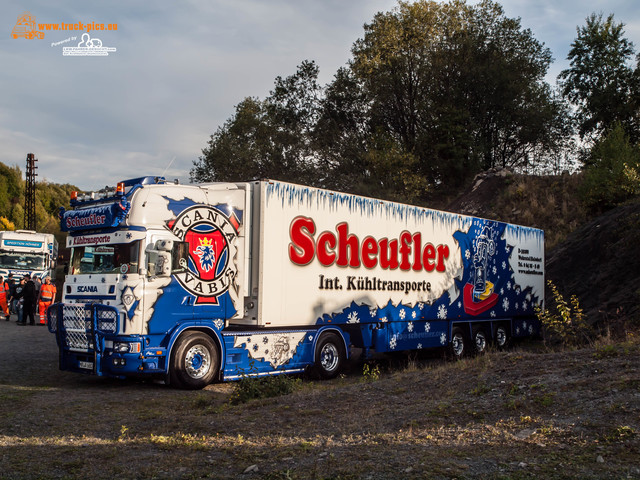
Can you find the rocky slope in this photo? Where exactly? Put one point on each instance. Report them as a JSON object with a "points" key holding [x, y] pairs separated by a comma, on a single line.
{"points": [[597, 260]]}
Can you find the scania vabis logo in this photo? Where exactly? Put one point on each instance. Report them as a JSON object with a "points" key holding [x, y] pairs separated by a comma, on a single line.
{"points": [[211, 237]]}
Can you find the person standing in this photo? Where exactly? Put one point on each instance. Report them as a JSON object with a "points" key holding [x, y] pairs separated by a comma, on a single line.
{"points": [[37, 281], [12, 289], [46, 296], [29, 297], [4, 295], [18, 300]]}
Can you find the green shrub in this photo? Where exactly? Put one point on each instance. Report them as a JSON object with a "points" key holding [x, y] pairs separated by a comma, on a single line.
{"points": [[250, 388], [621, 433], [566, 322], [371, 372], [612, 171], [605, 351]]}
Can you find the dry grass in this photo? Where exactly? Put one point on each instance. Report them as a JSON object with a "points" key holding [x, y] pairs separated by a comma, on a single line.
{"points": [[525, 413], [550, 203]]}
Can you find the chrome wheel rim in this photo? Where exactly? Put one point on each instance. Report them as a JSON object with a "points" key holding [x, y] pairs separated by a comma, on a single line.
{"points": [[501, 337], [329, 357], [457, 344], [197, 361]]}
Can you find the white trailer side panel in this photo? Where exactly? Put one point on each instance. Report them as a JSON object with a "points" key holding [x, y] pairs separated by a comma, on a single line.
{"points": [[322, 253]]}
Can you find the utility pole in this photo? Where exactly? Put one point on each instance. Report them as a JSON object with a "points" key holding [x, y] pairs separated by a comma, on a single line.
{"points": [[30, 194]]}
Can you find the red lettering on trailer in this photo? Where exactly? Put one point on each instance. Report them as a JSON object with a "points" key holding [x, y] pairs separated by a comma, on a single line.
{"points": [[302, 246], [326, 245], [388, 254], [344, 249], [348, 247], [369, 252]]}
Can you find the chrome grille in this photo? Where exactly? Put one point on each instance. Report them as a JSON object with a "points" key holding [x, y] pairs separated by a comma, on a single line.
{"points": [[77, 326], [52, 314], [77, 323], [107, 319]]}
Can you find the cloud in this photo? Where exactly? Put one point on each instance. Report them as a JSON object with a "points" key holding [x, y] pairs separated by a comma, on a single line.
{"points": [[179, 70]]}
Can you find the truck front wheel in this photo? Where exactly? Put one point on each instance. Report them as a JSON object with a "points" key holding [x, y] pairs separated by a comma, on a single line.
{"points": [[195, 361], [330, 356]]}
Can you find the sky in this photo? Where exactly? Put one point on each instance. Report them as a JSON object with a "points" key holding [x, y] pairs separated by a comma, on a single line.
{"points": [[173, 72]]}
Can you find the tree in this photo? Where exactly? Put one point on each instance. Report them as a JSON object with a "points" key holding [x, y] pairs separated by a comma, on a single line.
{"points": [[6, 224], [434, 93], [268, 138], [460, 87], [341, 134], [237, 151], [600, 81], [49, 198], [11, 191], [612, 170]]}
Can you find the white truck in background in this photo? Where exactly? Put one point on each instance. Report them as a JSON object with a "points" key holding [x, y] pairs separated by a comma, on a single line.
{"points": [[25, 251], [197, 283]]}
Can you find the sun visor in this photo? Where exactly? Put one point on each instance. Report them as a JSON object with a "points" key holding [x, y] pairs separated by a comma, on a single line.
{"points": [[103, 216]]}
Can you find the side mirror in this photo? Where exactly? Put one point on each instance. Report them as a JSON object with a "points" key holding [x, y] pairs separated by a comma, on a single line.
{"points": [[159, 255], [164, 245]]}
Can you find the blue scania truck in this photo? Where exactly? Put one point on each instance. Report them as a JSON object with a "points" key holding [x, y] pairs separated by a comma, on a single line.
{"points": [[213, 282]]}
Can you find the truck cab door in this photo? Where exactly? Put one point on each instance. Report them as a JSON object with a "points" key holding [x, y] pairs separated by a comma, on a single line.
{"points": [[168, 302]]}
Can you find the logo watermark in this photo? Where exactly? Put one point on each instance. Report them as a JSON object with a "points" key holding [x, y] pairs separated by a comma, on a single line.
{"points": [[26, 27], [87, 47]]}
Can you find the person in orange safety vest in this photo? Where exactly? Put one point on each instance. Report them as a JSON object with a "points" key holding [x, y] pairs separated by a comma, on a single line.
{"points": [[4, 295], [46, 298]]}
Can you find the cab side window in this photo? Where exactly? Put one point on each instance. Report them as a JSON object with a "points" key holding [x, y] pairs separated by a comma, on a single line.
{"points": [[152, 256], [180, 257]]}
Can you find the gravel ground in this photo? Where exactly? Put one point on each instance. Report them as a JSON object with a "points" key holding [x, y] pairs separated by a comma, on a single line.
{"points": [[526, 413], [28, 356]]}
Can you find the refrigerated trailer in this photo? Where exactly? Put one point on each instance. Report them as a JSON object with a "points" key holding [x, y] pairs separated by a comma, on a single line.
{"points": [[198, 283]]}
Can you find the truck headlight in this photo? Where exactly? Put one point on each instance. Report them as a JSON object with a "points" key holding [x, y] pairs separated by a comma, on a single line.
{"points": [[126, 347]]}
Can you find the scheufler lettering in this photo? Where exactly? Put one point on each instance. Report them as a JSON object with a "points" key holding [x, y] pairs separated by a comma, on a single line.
{"points": [[345, 249], [91, 220]]}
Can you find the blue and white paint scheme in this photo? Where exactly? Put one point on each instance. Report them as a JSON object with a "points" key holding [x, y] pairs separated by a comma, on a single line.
{"points": [[220, 281]]}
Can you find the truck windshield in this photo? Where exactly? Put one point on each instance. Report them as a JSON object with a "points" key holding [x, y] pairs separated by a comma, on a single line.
{"points": [[118, 258], [25, 261]]}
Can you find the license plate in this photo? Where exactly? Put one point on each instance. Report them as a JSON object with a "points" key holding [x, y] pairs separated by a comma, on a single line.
{"points": [[87, 365]]}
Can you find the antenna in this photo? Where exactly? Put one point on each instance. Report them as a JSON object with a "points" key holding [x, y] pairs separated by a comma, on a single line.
{"points": [[165, 170]]}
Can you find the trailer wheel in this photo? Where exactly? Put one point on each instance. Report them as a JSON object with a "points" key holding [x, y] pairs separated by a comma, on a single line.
{"points": [[501, 337], [195, 361], [479, 340], [458, 346], [330, 356]]}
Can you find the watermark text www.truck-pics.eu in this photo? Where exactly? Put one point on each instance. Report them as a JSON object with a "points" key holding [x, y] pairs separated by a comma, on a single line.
{"points": [[27, 27]]}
